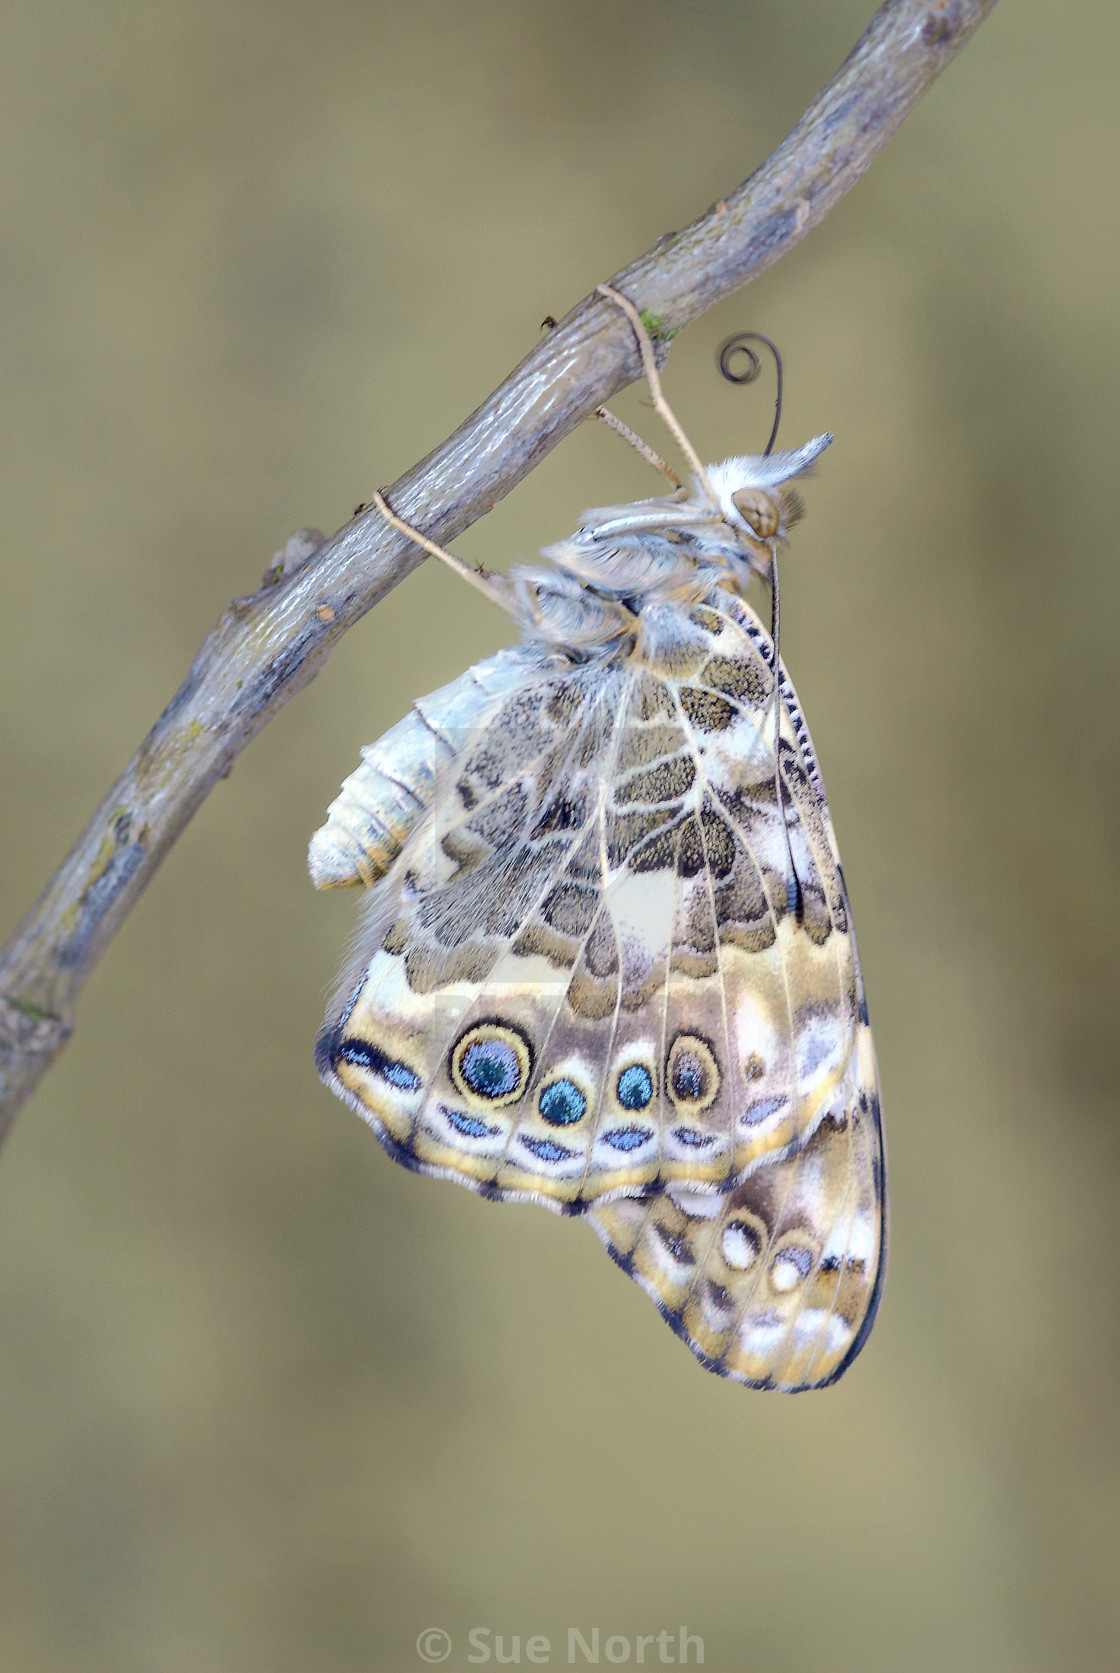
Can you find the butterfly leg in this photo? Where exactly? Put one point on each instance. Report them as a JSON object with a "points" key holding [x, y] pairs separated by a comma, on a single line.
{"points": [[613, 422], [653, 379], [494, 586]]}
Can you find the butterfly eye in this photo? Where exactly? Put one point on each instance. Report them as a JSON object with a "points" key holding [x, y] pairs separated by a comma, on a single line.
{"points": [[491, 1062], [758, 511]]}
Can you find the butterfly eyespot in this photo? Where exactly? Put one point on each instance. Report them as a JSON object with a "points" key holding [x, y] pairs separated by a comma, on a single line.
{"points": [[634, 1087], [740, 1245], [561, 1103], [492, 1062], [692, 1074], [758, 511], [790, 1268]]}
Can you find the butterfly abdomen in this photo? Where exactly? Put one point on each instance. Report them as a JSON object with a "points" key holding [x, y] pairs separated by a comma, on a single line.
{"points": [[382, 800]]}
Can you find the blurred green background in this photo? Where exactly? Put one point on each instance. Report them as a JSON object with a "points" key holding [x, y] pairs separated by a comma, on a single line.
{"points": [[269, 1404]]}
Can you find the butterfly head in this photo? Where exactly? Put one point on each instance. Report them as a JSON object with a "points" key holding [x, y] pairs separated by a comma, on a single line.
{"points": [[750, 490]]}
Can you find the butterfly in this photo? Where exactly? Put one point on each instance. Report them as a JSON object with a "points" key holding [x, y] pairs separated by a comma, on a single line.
{"points": [[606, 960]]}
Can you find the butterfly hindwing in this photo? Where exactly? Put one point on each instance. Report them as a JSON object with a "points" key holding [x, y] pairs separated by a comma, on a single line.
{"points": [[594, 971], [777, 1282]]}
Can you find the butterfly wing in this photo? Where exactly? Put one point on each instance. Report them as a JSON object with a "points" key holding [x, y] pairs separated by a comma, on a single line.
{"points": [[777, 1282], [606, 962]]}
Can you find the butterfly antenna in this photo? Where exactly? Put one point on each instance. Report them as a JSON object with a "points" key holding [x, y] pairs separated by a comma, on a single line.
{"points": [[653, 379], [779, 787], [494, 586], [738, 344], [613, 422]]}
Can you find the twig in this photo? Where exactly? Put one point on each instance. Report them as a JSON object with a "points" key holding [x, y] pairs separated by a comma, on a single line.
{"points": [[265, 648]]}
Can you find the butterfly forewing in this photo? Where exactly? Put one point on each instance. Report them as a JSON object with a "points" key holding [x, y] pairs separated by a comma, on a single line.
{"points": [[776, 1282]]}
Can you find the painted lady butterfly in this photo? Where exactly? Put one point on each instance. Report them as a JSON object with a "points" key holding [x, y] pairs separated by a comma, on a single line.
{"points": [[607, 961]]}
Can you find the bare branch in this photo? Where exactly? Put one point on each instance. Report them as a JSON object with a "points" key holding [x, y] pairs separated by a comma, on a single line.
{"points": [[265, 648]]}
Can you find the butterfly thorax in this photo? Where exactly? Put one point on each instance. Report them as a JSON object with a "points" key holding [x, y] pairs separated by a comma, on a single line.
{"points": [[619, 582]]}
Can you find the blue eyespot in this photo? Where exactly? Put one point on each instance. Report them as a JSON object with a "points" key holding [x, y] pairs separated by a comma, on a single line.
{"points": [[491, 1061], [562, 1103], [364, 1055], [628, 1138], [490, 1068], [634, 1087]]}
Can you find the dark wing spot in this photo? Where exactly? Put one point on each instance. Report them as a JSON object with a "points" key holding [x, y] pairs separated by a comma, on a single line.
{"points": [[658, 854], [626, 830], [675, 1243], [500, 820], [719, 844], [570, 908], [689, 1080], [738, 678], [667, 782], [692, 1073], [563, 813], [691, 859], [707, 711]]}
